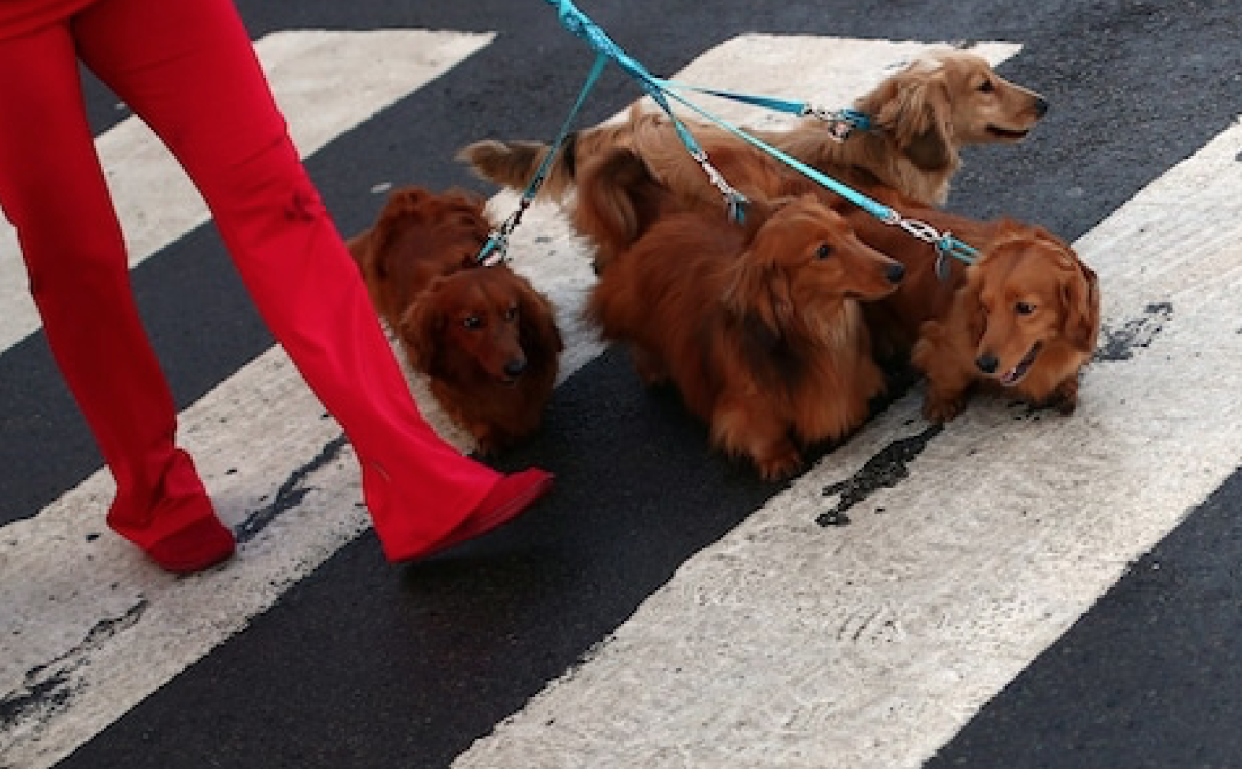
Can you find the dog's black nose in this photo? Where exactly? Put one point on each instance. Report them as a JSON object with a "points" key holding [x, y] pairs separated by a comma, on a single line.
{"points": [[987, 363], [896, 273], [1041, 106], [515, 367]]}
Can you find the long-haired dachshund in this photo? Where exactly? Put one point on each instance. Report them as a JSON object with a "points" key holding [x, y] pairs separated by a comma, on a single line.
{"points": [[758, 326], [486, 339], [917, 121], [1023, 319]]}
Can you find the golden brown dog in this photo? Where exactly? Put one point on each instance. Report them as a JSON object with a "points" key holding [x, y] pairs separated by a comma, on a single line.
{"points": [[919, 119], [486, 339], [1024, 320], [758, 326]]}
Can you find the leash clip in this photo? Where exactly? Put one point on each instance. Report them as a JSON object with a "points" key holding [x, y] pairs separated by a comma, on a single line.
{"points": [[735, 202], [495, 250], [841, 124]]}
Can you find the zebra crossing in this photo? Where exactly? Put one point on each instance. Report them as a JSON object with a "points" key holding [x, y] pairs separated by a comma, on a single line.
{"points": [[972, 549]]}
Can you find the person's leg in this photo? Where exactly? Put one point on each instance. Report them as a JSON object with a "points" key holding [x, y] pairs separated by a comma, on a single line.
{"points": [[53, 191], [189, 70]]}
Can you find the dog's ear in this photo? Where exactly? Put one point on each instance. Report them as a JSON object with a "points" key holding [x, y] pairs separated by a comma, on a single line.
{"points": [[1080, 297], [539, 331], [972, 305], [915, 110], [421, 328], [403, 204], [758, 290]]}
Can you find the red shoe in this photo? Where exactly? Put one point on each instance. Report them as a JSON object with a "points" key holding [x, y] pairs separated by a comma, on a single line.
{"points": [[202, 544], [511, 495]]}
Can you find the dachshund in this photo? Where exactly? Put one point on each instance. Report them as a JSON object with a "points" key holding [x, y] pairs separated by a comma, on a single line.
{"points": [[757, 325], [486, 339]]}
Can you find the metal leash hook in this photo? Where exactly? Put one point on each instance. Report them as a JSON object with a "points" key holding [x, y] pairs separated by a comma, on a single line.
{"points": [[945, 244], [842, 123], [495, 251], [735, 202]]}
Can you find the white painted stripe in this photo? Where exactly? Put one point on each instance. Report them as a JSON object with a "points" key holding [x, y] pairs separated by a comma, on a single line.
{"points": [[790, 645], [325, 82]]}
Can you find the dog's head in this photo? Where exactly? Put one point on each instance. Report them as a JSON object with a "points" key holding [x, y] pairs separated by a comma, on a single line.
{"points": [[481, 323], [948, 100], [1030, 290], [418, 235], [448, 228], [803, 259]]}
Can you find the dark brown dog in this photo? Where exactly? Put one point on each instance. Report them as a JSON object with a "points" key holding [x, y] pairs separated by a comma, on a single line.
{"points": [[758, 326], [486, 339]]}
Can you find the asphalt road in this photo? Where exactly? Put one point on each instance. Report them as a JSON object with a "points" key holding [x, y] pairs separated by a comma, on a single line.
{"points": [[354, 662]]}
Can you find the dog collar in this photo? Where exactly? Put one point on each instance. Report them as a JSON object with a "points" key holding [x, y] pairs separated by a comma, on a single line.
{"points": [[843, 123]]}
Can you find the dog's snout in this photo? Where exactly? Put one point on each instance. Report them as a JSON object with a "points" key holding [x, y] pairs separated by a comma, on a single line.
{"points": [[896, 273], [987, 363], [515, 367], [1041, 106]]}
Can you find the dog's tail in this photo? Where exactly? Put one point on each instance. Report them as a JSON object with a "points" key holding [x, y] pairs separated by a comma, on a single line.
{"points": [[617, 203], [513, 163]]}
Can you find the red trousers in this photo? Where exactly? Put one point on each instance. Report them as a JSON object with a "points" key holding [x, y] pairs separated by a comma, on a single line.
{"points": [[187, 68]]}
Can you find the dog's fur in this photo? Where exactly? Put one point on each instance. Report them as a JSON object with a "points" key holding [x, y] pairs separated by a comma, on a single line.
{"points": [[484, 336], [921, 116], [758, 327], [619, 200], [1023, 320]]}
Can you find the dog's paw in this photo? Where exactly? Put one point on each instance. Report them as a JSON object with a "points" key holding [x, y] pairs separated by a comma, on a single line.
{"points": [[779, 467], [488, 442], [941, 410], [1065, 398], [650, 367]]}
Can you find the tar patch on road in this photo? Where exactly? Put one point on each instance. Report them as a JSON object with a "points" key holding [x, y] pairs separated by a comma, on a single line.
{"points": [[1119, 344], [48, 688], [884, 470]]}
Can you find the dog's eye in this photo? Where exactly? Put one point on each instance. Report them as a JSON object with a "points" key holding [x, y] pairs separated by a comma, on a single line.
{"points": [[987, 86], [1024, 308], [472, 321], [824, 251]]}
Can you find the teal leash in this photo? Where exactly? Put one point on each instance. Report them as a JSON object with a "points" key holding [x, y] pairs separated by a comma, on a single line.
{"points": [[660, 90], [945, 244], [579, 24], [495, 250]]}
